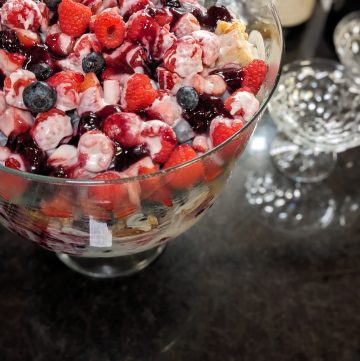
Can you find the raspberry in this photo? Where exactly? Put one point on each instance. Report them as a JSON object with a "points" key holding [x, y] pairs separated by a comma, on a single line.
{"points": [[160, 139], [12, 163], [253, 75], [242, 103], [124, 128], [138, 93], [222, 129], [21, 14], [109, 28], [187, 176], [74, 18], [108, 195], [142, 28]]}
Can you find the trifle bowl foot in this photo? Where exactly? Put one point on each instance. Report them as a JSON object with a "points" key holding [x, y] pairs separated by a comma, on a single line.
{"points": [[112, 267]]}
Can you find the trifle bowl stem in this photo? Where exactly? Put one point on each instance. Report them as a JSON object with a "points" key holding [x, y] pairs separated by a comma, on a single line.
{"points": [[112, 267]]}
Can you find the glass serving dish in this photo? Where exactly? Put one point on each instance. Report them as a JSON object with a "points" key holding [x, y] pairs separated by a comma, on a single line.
{"points": [[316, 109], [122, 239], [347, 41]]}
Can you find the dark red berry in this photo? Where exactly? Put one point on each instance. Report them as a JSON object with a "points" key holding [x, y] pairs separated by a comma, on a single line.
{"points": [[89, 121], [32, 154], [9, 41], [108, 110], [232, 77], [126, 157], [207, 109]]}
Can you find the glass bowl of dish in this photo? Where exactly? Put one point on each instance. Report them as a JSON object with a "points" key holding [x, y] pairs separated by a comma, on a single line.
{"points": [[115, 227]]}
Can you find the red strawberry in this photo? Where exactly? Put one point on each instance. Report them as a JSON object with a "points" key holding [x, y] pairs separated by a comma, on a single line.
{"points": [[109, 28], [222, 129], [142, 28], [167, 80], [27, 38], [160, 139], [12, 163], [58, 206], [21, 14], [60, 43], [124, 128], [108, 195], [163, 16], [74, 18], [138, 93], [67, 79], [253, 75], [187, 176]]}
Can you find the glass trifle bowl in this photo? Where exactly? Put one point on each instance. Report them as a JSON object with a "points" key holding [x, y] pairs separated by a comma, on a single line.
{"points": [[115, 226]]}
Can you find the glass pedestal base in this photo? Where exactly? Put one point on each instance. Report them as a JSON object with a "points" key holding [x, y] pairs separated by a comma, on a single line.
{"points": [[111, 267], [299, 163]]}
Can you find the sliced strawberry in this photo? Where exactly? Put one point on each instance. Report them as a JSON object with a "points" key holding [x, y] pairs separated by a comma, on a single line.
{"points": [[108, 195], [167, 79], [59, 206], [187, 176], [132, 6], [27, 38], [222, 129], [186, 25]]}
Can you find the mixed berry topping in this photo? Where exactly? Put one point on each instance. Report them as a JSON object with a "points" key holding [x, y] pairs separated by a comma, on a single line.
{"points": [[109, 89]]}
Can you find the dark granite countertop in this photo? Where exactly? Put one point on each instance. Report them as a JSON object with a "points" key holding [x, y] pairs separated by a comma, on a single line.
{"points": [[249, 282]]}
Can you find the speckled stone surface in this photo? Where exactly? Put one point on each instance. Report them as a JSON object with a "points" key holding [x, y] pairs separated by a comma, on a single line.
{"points": [[240, 285]]}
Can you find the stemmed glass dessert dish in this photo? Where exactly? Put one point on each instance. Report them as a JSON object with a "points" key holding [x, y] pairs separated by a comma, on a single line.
{"points": [[121, 122], [316, 109]]}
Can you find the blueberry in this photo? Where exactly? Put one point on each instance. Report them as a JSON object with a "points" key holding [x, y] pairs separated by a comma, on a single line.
{"points": [[183, 131], [42, 71], [52, 4], [94, 63], [187, 97], [39, 97]]}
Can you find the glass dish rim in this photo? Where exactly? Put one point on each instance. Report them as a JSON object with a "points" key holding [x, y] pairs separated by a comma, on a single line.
{"points": [[313, 62], [89, 182]]}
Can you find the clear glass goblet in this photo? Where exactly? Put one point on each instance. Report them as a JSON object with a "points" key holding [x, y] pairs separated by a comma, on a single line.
{"points": [[108, 243], [347, 41], [317, 111]]}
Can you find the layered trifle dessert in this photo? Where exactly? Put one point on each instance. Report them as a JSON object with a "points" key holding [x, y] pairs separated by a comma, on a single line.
{"points": [[107, 90]]}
